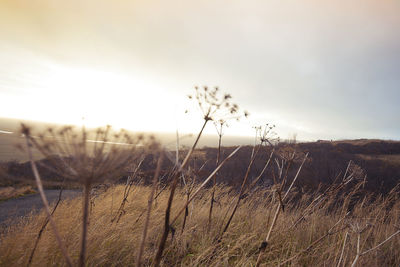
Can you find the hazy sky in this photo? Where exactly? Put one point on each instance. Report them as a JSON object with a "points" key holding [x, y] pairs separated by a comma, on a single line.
{"points": [[321, 69]]}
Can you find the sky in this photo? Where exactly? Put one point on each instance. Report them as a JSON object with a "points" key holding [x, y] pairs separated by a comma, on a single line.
{"points": [[315, 68]]}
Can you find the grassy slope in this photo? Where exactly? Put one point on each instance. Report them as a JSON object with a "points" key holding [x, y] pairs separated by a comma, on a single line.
{"points": [[112, 244]]}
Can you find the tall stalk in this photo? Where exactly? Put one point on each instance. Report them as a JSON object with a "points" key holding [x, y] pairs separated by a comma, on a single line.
{"points": [[46, 222], [85, 217], [149, 205], [214, 107], [242, 189], [203, 184], [221, 124], [44, 199], [161, 246], [280, 206], [264, 135], [77, 161]]}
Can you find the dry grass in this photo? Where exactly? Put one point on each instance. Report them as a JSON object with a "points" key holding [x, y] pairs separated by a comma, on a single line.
{"points": [[14, 192], [117, 244], [393, 159]]}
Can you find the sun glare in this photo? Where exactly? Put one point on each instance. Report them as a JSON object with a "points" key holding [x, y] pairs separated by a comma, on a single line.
{"points": [[94, 98]]}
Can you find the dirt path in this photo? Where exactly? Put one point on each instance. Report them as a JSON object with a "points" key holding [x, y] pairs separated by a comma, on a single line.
{"points": [[15, 209]]}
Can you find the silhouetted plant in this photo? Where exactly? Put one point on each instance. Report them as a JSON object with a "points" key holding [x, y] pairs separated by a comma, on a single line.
{"points": [[219, 126], [88, 157], [213, 106], [128, 186], [265, 135], [44, 227], [281, 204]]}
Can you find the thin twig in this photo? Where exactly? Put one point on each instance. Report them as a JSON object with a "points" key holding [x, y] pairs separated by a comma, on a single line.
{"points": [[161, 246], [127, 189], [203, 184], [380, 244], [149, 205], [43, 227], [46, 203], [241, 192], [328, 233], [344, 245], [358, 250], [264, 244]]}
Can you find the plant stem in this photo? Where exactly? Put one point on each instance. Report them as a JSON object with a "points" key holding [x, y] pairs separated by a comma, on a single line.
{"points": [[46, 222], [161, 246], [214, 183], [242, 188], [149, 205], [85, 217], [280, 205], [46, 203], [203, 184]]}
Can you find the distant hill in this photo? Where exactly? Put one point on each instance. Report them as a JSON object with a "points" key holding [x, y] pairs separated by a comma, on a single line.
{"points": [[379, 159]]}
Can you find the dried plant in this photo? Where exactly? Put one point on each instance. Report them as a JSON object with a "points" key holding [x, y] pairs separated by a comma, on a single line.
{"points": [[133, 172], [281, 204], [204, 183], [213, 106], [263, 134], [318, 240], [149, 205], [189, 185], [43, 227], [358, 230], [314, 243], [88, 158], [220, 124]]}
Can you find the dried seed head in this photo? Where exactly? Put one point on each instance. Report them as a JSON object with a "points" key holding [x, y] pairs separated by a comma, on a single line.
{"points": [[215, 105], [90, 156]]}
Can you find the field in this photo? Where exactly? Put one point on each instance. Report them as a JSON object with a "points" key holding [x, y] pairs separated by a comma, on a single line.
{"points": [[323, 236]]}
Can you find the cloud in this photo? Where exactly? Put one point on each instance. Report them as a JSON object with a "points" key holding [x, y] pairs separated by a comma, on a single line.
{"points": [[323, 68]]}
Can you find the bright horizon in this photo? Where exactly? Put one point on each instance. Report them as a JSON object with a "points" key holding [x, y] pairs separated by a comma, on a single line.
{"points": [[318, 69]]}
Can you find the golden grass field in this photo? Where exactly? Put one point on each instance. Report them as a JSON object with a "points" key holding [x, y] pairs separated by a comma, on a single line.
{"points": [[309, 243]]}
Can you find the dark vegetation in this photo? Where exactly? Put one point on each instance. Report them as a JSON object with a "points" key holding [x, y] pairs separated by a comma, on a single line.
{"points": [[380, 160]]}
